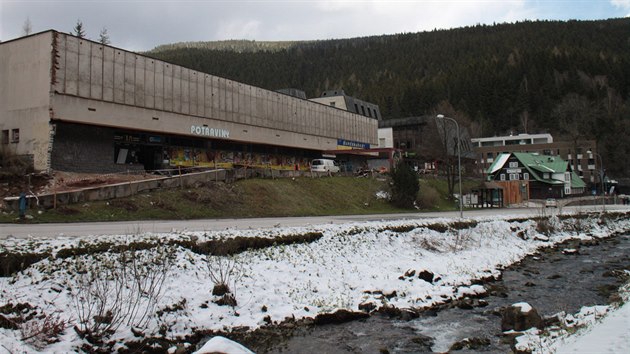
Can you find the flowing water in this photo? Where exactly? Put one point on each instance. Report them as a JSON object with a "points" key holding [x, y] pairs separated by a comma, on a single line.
{"points": [[550, 281]]}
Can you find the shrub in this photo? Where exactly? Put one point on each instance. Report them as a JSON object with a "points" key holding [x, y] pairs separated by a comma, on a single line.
{"points": [[224, 272], [13, 165], [428, 198], [405, 186], [122, 290]]}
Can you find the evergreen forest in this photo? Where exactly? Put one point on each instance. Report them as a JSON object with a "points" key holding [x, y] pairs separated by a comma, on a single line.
{"points": [[571, 79]]}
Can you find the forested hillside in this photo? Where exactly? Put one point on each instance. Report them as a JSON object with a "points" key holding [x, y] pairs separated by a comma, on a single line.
{"points": [[571, 79]]}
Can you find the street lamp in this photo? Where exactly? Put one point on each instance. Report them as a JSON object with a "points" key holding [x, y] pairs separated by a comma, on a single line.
{"points": [[459, 164]]}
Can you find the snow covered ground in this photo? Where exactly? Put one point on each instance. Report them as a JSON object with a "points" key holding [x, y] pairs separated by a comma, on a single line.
{"points": [[350, 264], [593, 330]]}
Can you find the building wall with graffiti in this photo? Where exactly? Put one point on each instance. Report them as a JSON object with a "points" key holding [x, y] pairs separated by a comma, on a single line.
{"points": [[190, 157]]}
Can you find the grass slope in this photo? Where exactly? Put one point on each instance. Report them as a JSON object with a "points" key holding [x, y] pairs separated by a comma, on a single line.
{"points": [[245, 198]]}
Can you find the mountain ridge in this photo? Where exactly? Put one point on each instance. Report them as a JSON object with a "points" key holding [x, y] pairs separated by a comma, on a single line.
{"points": [[568, 78]]}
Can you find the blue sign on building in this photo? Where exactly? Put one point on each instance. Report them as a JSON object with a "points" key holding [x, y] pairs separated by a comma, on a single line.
{"points": [[353, 144]]}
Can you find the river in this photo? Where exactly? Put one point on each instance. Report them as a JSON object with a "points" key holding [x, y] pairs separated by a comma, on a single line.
{"points": [[551, 281]]}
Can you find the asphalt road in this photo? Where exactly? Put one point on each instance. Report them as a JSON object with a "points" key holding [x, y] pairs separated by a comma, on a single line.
{"points": [[132, 227]]}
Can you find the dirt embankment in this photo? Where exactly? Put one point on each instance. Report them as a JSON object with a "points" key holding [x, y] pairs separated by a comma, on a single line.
{"points": [[61, 181]]}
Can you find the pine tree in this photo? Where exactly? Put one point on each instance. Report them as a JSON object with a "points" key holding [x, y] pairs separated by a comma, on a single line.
{"points": [[27, 28], [78, 29], [405, 185], [103, 37]]}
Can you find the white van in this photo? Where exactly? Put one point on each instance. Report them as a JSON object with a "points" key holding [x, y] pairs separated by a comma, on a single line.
{"points": [[324, 165]]}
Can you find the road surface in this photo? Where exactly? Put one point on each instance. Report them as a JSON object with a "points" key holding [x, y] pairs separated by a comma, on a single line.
{"points": [[159, 226]]}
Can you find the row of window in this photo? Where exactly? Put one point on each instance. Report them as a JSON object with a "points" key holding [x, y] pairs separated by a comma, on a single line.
{"points": [[369, 111], [15, 136], [514, 176]]}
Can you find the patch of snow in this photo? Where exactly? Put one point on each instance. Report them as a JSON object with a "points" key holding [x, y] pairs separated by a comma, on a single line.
{"points": [[599, 329], [525, 307], [382, 195], [220, 344]]}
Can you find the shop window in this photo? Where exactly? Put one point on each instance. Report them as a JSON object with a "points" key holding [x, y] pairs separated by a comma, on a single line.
{"points": [[15, 135], [5, 136]]}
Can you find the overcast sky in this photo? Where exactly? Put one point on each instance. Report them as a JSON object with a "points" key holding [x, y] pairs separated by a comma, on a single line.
{"points": [[139, 25]]}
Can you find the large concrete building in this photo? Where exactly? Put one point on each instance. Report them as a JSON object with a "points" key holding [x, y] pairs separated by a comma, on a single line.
{"points": [[77, 105]]}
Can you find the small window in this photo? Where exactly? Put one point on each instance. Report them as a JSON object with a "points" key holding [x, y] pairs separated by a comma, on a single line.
{"points": [[375, 114], [332, 104], [369, 112], [5, 136], [513, 164], [15, 135], [502, 177], [513, 176], [526, 176], [363, 109]]}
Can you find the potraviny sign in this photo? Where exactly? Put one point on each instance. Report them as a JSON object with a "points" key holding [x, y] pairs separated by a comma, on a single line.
{"points": [[211, 132]]}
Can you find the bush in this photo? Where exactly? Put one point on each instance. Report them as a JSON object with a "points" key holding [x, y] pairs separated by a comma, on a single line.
{"points": [[13, 165], [428, 198], [405, 186]]}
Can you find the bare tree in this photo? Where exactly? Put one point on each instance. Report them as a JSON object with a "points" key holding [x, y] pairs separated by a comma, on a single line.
{"points": [[27, 28], [447, 135], [576, 117], [103, 37], [78, 29]]}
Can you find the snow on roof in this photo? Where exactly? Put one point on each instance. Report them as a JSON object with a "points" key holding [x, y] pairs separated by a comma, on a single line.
{"points": [[498, 163]]}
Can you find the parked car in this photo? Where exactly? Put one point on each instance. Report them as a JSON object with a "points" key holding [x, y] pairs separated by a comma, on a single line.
{"points": [[324, 165], [551, 203]]}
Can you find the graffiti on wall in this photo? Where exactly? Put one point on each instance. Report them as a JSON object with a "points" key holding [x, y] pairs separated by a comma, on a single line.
{"points": [[188, 157]]}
